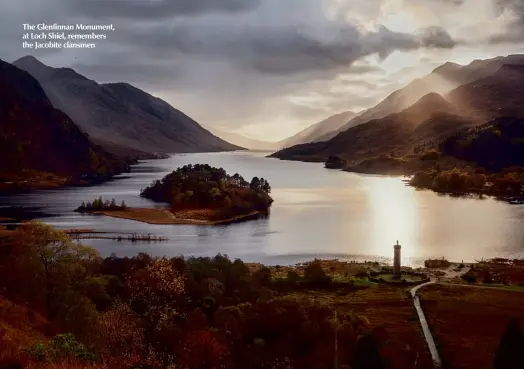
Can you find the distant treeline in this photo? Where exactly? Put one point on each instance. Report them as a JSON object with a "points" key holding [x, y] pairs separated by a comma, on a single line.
{"points": [[101, 204]]}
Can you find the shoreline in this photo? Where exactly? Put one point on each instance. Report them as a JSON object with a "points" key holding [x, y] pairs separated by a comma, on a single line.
{"points": [[162, 216]]}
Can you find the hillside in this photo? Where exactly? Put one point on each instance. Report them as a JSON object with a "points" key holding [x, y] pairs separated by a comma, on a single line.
{"points": [[495, 146], [38, 140], [432, 119], [122, 114], [243, 141], [317, 131], [442, 80]]}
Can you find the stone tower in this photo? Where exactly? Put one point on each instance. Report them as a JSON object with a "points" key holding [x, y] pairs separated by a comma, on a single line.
{"points": [[396, 261]]}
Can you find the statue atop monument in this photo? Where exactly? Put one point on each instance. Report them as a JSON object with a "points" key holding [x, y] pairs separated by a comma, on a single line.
{"points": [[396, 261]]}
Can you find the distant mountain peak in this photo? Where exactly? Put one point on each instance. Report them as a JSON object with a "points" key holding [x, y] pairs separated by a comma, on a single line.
{"points": [[29, 59], [138, 119], [432, 97], [447, 68], [432, 102], [37, 68]]}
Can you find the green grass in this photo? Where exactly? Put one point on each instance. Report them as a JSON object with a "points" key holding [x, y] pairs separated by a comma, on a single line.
{"points": [[389, 277]]}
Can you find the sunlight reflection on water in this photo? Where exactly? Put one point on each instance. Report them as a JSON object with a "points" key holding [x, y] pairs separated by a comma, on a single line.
{"points": [[317, 213]]}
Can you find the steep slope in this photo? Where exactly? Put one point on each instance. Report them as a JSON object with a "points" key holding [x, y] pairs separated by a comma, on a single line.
{"points": [[494, 96], [442, 80], [431, 118], [120, 113], [495, 146], [315, 132], [243, 141], [34, 136]]}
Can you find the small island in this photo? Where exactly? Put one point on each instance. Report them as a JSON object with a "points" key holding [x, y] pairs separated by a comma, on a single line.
{"points": [[195, 194]]}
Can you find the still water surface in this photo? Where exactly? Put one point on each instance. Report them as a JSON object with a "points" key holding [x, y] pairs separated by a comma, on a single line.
{"points": [[317, 213]]}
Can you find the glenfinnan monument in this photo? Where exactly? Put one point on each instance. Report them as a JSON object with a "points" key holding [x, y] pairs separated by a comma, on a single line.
{"points": [[396, 261]]}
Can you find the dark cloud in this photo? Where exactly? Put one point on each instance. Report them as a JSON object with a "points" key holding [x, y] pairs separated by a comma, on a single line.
{"points": [[281, 51], [436, 37], [514, 32], [157, 9]]}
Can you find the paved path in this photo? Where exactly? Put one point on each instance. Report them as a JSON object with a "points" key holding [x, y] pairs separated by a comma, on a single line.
{"points": [[425, 328]]}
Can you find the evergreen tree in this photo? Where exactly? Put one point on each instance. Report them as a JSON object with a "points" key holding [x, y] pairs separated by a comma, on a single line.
{"points": [[367, 354]]}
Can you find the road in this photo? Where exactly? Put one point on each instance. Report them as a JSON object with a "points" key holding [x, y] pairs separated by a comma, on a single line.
{"points": [[424, 324]]}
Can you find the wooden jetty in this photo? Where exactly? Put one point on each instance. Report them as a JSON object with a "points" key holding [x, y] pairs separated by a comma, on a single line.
{"points": [[133, 237]]}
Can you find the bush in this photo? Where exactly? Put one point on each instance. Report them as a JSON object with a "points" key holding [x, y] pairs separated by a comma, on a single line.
{"points": [[293, 277], [437, 263], [262, 276], [61, 347], [469, 277], [314, 274]]}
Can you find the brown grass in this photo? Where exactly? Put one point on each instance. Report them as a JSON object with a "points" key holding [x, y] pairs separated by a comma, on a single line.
{"points": [[333, 267], [468, 322], [165, 216], [386, 307]]}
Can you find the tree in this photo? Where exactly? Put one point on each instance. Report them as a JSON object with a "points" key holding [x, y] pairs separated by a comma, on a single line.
{"points": [[157, 291], [263, 276], [119, 334], [60, 270], [255, 183], [314, 273], [367, 353], [509, 353]]}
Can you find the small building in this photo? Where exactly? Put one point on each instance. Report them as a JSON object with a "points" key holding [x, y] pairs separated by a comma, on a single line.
{"points": [[396, 261]]}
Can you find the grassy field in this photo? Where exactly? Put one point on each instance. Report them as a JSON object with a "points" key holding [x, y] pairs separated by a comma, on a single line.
{"points": [[388, 309], [468, 322]]}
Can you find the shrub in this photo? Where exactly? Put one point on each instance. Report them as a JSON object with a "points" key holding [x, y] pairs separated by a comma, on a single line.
{"points": [[293, 277], [61, 347], [469, 277], [314, 274], [263, 276]]}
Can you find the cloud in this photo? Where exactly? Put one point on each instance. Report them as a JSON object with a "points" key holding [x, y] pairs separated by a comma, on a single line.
{"points": [[157, 9], [235, 63], [514, 30], [436, 37], [281, 51]]}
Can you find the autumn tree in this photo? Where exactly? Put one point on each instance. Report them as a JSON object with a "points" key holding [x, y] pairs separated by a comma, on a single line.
{"points": [[157, 289], [58, 271]]}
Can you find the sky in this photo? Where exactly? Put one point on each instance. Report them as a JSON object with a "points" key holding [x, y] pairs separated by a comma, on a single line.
{"points": [[268, 68]]}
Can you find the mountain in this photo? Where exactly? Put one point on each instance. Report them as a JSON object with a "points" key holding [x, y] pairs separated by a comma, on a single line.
{"points": [[442, 80], [495, 146], [315, 132], [430, 118], [37, 139], [243, 141], [498, 95], [121, 114]]}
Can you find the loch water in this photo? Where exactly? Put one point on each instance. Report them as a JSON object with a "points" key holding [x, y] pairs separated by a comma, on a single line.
{"points": [[317, 213]]}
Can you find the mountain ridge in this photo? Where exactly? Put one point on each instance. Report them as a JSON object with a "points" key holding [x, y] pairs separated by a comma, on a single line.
{"points": [[316, 131], [42, 144], [121, 113], [433, 117]]}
